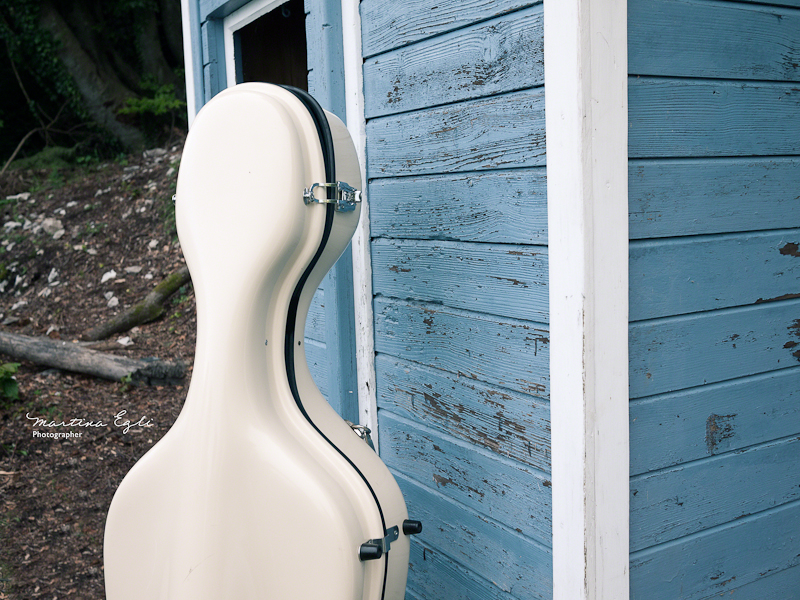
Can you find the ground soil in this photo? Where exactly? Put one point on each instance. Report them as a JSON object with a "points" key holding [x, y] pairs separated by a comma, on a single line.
{"points": [[58, 248]]}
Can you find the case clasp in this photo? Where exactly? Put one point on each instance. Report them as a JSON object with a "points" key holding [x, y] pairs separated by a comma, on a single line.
{"points": [[345, 196]]}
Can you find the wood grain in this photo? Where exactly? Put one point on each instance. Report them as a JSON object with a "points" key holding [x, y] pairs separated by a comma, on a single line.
{"points": [[683, 500], [687, 275], [490, 58], [503, 280], [506, 491], [491, 133], [388, 24], [716, 561], [723, 40], [315, 322], [499, 420], [670, 429], [496, 206], [509, 353], [683, 352], [680, 118], [699, 196], [317, 358], [513, 563]]}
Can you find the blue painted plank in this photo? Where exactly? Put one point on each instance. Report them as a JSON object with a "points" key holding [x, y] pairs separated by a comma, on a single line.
{"points": [[490, 58], [778, 585], [325, 53], [492, 133], [725, 40], [669, 429], [687, 275], [696, 196], [315, 322], [515, 564], [794, 3], [499, 420], [687, 351], [679, 501], [509, 353], [218, 9], [677, 117], [317, 359], [504, 280], [387, 24], [496, 206], [713, 562], [213, 57], [506, 491], [433, 575]]}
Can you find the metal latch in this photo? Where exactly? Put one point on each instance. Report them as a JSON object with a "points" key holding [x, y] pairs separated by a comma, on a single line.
{"points": [[362, 432], [372, 549], [345, 196]]}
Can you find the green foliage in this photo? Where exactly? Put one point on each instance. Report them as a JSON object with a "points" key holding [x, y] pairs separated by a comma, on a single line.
{"points": [[161, 102], [9, 390]]}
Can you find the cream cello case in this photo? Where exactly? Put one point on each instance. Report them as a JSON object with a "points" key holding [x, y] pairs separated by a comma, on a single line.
{"points": [[259, 490]]}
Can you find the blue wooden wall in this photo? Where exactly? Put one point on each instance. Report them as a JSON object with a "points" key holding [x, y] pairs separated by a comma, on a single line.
{"points": [[454, 102], [714, 191], [330, 327]]}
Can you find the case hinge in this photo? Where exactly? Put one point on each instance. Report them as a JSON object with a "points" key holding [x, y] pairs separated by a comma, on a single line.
{"points": [[345, 196]]}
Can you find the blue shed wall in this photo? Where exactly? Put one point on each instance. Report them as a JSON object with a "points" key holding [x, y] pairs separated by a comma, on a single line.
{"points": [[454, 102], [714, 174]]}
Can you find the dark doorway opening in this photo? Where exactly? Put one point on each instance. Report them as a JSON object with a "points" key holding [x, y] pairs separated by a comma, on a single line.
{"points": [[273, 47]]}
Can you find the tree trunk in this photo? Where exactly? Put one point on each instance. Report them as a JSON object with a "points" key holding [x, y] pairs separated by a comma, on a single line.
{"points": [[102, 92], [145, 311], [79, 359]]}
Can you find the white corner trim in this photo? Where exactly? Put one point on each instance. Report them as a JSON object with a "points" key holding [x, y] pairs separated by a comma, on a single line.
{"points": [[189, 60], [362, 264], [235, 21], [586, 107]]}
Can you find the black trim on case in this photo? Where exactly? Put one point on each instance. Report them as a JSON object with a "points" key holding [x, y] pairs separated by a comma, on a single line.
{"points": [[326, 141]]}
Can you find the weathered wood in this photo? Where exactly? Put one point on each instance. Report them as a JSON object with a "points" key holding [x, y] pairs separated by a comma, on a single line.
{"points": [[774, 585], [793, 3], [433, 574], [724, 40], [686, 275], [492, 133], [500, 420], [696, 196], [315, 322], [718, 560], [388, 24], [504, 490], [679, 118], [687, 351], [512, 562], [496, 206], [683, 500], [149, 309], [317, 358], [509, 353], [80, 359], [214, 78], [493, 57], [504, 280], [681, 427]]}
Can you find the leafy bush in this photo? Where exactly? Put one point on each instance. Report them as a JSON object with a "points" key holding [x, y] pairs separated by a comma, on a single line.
{"points": [[9, 390]]}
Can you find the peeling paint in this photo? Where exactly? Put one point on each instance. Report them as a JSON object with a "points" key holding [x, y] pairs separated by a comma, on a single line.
{"points": [[718, 429]]}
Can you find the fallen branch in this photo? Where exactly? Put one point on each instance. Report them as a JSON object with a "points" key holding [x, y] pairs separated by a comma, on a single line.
{"points": [[79, 359], [149, 309]]}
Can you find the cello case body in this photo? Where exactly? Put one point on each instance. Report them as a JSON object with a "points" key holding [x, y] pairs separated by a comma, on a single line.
{"points": [[259, 490]]}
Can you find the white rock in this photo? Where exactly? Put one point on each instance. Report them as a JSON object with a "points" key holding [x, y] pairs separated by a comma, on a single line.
{"points": [[10, 225], [26, 225], [91, 251], [19, 304], [108, 275], [44, 293], [171, 172], [52, 226], [71, 203], [108, 295], [153, 244], [22, 196], [59, 234], [51, 329], [125, 341], [133, 269], [113, 302], [148, 276], [10, 246], [52, 276]]}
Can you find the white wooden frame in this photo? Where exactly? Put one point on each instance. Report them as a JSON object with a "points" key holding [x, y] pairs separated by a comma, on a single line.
{"points": [[362, 264], [234, 22], [585, 47]]}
